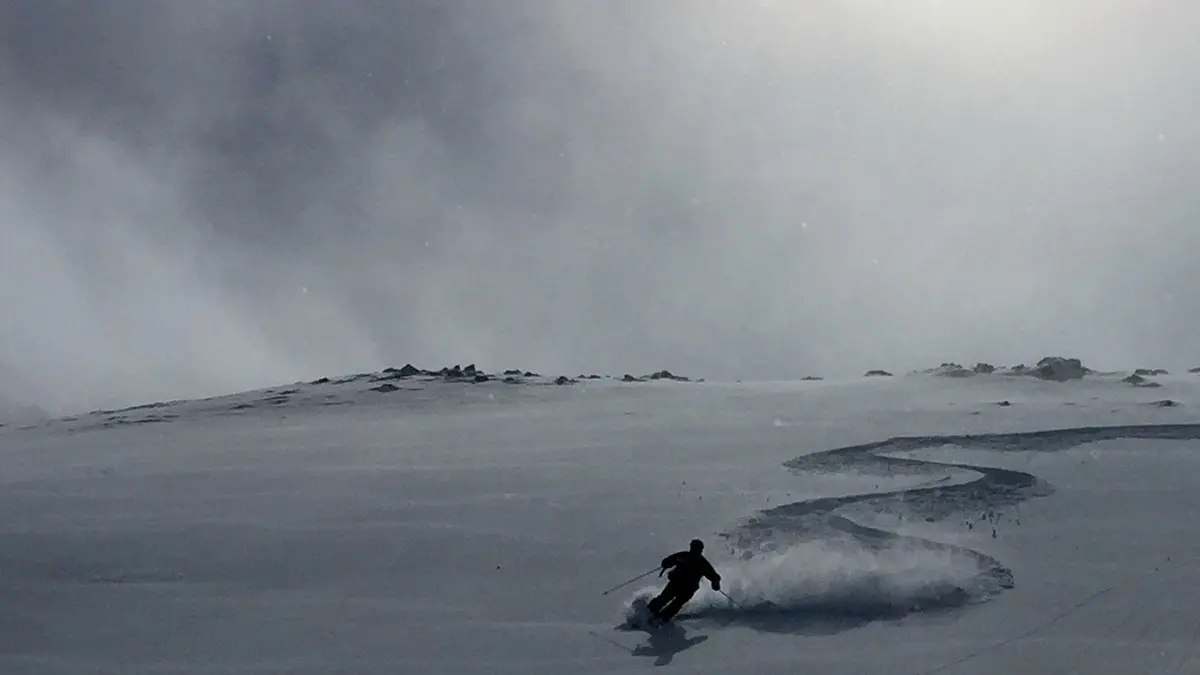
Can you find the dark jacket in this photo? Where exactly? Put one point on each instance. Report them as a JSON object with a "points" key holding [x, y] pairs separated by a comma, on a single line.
{"points": [[689, 568]]}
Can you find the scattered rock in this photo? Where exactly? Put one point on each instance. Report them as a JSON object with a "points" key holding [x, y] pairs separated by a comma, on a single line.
{"points": [[1150, 372], [471, 373], [385, 388], [354, 378], [1194, 371], [1166, 403], [151, 406], [1139, 381], [877, 373], [1004, 404], [1059, 369], [811, 378], [409, 370], [984, 368], [667, 375], [953, 370]]}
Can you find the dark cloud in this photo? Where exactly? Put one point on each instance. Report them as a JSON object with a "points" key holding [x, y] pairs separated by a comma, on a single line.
{"points": [[207, 195]]}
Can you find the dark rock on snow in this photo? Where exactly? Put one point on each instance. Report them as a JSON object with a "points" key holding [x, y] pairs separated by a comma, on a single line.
{"points": [[953, 370], [667, 375], [1139, 381], [1059, 369]]}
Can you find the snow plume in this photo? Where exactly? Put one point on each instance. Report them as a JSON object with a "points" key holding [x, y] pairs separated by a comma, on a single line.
{"points": [[826, 585]]}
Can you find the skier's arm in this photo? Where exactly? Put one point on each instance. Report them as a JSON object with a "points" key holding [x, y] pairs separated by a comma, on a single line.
{"points": [[671, 560], [712, 575]]}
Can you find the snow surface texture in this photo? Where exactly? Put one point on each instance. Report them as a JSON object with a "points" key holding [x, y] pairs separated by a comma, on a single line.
{"points": [[916, 524]]}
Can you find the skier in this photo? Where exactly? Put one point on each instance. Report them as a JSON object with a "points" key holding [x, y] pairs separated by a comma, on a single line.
{"points": [[687, 568]]}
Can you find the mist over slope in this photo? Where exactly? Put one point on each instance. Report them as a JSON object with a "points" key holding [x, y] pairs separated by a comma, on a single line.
{"points": [[208, 196], [14, 411]]}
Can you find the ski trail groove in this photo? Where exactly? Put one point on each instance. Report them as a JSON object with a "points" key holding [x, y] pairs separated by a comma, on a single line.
{"points": [[772, 532]]}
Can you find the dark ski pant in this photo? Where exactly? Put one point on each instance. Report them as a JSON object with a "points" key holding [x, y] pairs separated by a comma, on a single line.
{"points": [[672, 599]]}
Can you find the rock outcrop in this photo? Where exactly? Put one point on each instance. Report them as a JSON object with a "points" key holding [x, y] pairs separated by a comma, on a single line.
{"points": [[658, 375], [1059, 369], [668, 375], [953, 370], [1139, 381]]}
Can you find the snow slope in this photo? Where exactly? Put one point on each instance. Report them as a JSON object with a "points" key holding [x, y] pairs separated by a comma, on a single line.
{"points": [[907, 525]]}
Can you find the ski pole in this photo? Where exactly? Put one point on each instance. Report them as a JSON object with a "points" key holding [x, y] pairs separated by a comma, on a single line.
{"points": [[619, 586], [735, 602]]}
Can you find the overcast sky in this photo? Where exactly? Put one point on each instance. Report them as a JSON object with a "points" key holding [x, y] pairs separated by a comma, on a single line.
{"points": [[199, 197]]}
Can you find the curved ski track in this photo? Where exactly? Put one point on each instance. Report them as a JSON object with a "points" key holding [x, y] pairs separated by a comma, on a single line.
{"points": [[979, 499]]}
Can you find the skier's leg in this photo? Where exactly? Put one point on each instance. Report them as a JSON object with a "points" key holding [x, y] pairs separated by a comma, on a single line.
{"points": [[656, 605], [677, 603]]}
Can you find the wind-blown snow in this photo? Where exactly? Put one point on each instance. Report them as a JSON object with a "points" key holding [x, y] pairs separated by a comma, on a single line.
{"points": [[905, 525], [819, 586]]}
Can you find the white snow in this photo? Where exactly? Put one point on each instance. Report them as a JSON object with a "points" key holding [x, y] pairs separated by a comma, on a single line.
{"points": [[454, 527]]}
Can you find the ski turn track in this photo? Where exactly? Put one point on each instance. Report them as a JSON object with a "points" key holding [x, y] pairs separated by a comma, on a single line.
{"points": [[809, 568]]}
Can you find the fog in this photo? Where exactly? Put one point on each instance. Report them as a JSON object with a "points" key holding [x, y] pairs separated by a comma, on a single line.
{"points": [[202, 197]]}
